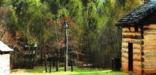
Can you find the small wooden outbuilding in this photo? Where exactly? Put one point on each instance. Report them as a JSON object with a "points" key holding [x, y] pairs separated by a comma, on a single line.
{"points": [[138, 53], [4, 59]]}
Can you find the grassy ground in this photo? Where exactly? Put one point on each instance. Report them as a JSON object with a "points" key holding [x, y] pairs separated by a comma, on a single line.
{"points": [[77, 71]]}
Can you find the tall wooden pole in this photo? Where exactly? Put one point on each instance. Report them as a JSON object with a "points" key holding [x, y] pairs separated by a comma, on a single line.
{"points": [[66, 45]]}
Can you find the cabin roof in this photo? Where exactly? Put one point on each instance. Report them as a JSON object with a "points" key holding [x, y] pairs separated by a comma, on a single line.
{"points": [[4, 47], [138, 14]]}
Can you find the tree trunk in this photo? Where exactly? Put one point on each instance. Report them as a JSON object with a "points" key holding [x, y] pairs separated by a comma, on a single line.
{"points": [[50, 64], [72, 65], [45, 60], [41, 55], [57, 61]]}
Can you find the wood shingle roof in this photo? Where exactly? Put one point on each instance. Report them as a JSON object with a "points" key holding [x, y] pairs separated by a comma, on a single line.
{"points": [[137, 15]]}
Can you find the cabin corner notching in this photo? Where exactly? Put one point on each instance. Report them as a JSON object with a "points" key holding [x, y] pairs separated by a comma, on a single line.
{"points": [[4, 59], [138, 53]]}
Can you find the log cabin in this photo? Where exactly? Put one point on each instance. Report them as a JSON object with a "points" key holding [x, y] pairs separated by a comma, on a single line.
{"points": [[138, 51]]}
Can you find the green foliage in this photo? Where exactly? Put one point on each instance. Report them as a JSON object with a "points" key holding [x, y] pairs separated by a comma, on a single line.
{"points": [[91, 24], [12, 20], [104, 42]]}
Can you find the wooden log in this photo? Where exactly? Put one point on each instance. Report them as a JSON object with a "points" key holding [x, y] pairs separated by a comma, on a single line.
{"points": [[149, 66], [137, 54], [137, 63], [151, 26], [131, 36], [135, 46], [124, 51], [136, 58], [125, 55], [137, 70], [137, 67], [125, 41], [131, 33], [134, 35], [124, 60], [148, 43], [129, 40], [150, 32], [125, 29], [124, 44], [135, 51], [149, 71], [130, 29], [149, 47], [149, 38], [150, 60], [150, 55], [124, 48], [125, 67], [149, 51]]}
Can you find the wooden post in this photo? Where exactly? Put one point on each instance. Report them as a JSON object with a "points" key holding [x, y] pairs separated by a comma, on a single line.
{"points": [[66, 45], [71, 63], [72, 66], [45, 62]]}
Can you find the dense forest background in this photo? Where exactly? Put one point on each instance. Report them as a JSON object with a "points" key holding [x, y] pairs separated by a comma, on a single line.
{"points": [[92, 30]]}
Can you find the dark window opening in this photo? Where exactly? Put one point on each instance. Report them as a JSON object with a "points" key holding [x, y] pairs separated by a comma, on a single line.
{"points": [[130, 56]]}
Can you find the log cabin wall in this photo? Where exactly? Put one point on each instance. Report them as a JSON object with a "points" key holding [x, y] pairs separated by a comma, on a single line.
{"points": [[132, 35], [150, 49], [141, 40]]}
